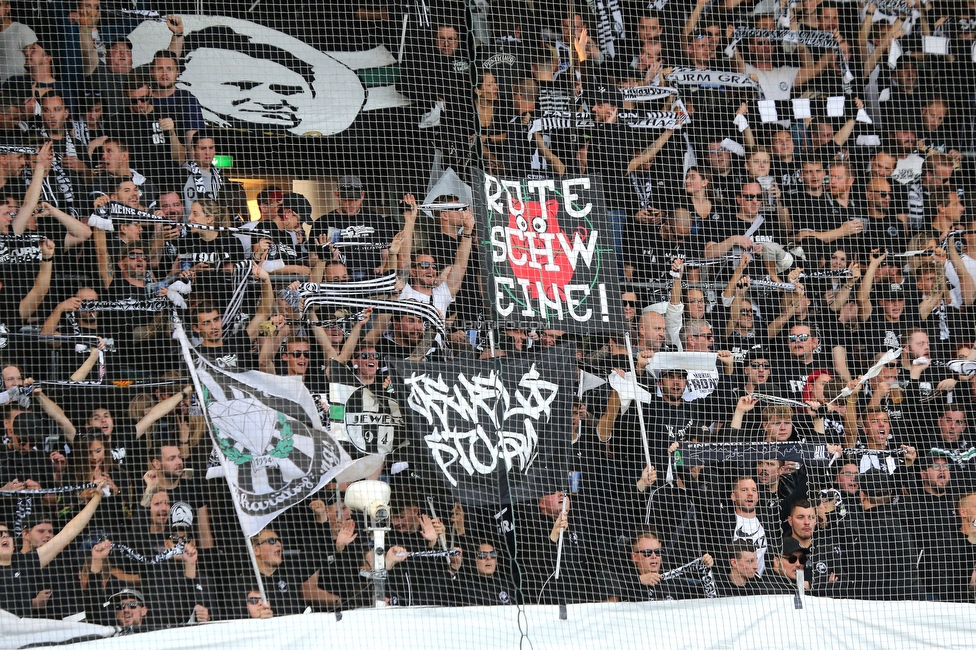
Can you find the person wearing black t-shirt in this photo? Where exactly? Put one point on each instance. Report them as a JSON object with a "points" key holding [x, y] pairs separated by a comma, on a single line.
{"points": [[487, 583], [283, 584], [350, 225], [885, 322], [204, 253], [286, 250], [19, 570], [640, 578], [235, 353], [746, 230], [151, 134]]}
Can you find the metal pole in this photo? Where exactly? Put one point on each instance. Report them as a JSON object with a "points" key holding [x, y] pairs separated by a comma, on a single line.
{"points": [[640, 407]]}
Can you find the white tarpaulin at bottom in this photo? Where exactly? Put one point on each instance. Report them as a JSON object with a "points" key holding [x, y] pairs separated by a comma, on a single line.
{"points": [[767, 622]]}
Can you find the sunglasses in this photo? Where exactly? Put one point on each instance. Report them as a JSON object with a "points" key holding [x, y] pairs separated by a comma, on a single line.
{"points": [[630, 303], [299, 353], [883, 195], [129, 605], [253, 600], [648, 552], [484, 555], [424, 265], [802, 338], [794, 559], [759, 365], [751, 197], [369, 355], [746, 312], [140, 100], [136, 256], [271, 541]]}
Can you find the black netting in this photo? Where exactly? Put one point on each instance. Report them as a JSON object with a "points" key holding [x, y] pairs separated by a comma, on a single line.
{"points": [[563, 308]]}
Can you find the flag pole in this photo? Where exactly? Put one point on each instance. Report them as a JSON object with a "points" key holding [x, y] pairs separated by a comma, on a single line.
{"points": [[198, 389], [640, 406]]}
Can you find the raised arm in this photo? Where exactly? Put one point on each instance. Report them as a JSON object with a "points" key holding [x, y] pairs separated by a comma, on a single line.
{"points": [[59, 542], [460, 265], [864, 307], [647, 155], [267, 301], [161, 409], [967, 286], [78, 231], [409, 221], [42, 283], [53, 411], [45, 157]]}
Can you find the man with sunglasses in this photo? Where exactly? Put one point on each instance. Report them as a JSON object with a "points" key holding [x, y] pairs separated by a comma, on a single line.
{"points": [[486, 583], [801, 359], [154, 144], [130, 610], [424, 275], [786, 563], [746, 230], [137, 334], [640, 579], [883, 229], [284, 585]]}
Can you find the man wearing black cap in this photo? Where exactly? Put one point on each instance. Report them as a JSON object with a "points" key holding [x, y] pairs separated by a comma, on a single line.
{"points": [[130, 609], [287, 251], [790, 559], [360, 235]]}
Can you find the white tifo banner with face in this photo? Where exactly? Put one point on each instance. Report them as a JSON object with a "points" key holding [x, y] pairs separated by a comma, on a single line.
{"points": [[251, 76]]}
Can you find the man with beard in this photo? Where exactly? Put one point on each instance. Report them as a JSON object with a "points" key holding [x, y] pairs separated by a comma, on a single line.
{"points": [[931, 519], [424, 286], [172, 101], [167, 471]]}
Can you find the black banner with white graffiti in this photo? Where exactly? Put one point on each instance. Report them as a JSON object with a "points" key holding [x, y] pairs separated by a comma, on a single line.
{"points": [[549, 258], [476, 421]]}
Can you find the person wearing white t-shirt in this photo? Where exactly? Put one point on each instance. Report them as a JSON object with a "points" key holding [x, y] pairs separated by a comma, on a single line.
{"points": [[960, 269], [777, 82], [14, 37], [424, 283]]}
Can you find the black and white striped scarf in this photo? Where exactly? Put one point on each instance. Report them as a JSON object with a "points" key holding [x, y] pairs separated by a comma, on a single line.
{"points": [[421, 310], [610, 24], [61, 178], [359, 288], [216, 181]]}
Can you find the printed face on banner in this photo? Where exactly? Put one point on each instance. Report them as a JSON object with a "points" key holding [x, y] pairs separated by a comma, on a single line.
{"points": [[552, 262], [245, 74]]}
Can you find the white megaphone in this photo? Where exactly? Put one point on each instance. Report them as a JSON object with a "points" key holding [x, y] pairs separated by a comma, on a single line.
{"points": [[371, 497]]}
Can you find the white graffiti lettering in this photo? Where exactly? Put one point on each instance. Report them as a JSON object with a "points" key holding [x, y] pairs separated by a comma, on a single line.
{"points": [[476, 421]]}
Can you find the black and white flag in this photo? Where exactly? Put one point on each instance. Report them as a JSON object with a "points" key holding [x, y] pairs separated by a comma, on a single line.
{"points": [[272, 448]]}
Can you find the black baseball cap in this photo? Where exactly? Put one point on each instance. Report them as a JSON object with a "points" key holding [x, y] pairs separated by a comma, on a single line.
{"points": [[298, 204], [350, 187]]}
